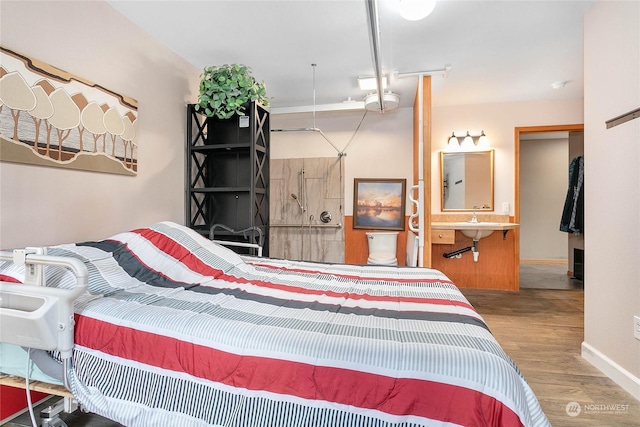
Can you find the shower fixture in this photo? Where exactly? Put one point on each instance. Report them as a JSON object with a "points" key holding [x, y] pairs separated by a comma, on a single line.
{"points": [[325, 217], [298, 200]]}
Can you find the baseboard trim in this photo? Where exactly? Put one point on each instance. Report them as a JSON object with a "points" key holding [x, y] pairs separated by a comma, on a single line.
{"points": [[544, 261], [617, 373]]}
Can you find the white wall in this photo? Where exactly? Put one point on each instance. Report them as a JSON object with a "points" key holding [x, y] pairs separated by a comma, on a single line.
{"points": [[498, 121], [612, 190], [40, 205], [382, 147], [544, 178]]}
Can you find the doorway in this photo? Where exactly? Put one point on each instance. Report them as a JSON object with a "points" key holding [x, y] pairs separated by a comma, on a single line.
{"points": [[544, 253]]}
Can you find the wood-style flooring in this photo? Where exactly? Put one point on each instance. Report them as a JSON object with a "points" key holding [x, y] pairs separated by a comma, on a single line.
{"points": [[541, 328], [547, 276]]}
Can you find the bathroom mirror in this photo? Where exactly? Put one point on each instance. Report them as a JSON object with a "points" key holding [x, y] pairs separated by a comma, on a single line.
{"points": [[466, 181]]}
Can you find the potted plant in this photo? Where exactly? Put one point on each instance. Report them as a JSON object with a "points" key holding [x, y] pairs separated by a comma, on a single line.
{"points": [[226, 89]]}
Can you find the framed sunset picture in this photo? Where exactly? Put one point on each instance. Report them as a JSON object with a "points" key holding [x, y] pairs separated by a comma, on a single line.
{"points": [[379, 203]]}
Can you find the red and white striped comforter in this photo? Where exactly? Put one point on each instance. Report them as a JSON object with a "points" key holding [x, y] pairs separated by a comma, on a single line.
{"points": [[181, 331]]}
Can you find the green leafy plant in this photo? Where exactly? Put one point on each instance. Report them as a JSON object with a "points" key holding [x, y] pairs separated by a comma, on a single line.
{"points": [[225, 89]]}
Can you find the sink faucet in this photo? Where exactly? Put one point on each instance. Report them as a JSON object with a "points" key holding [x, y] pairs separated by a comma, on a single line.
{"points": [[474, 218]]}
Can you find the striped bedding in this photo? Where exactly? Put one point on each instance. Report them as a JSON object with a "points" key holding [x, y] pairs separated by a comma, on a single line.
{"points": [[179, 331]]}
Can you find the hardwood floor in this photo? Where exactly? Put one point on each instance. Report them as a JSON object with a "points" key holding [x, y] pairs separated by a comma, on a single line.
{"points": [[542, 330], [547, 276]]}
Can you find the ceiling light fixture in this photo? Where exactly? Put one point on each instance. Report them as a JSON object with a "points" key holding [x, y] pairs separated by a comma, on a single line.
{"points": [[415, 10], [369, 83], [470, 142], [560, 84], [372, 101]]}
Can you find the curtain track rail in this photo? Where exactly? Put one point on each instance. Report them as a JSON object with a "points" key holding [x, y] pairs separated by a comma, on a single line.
{"points": [[634, 114]]}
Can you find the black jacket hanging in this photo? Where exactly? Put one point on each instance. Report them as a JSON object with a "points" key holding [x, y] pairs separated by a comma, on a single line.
{"points": [[573, 213]]}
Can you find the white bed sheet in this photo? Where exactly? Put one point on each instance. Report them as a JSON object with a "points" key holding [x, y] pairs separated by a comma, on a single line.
{"points": [[13, 361]]}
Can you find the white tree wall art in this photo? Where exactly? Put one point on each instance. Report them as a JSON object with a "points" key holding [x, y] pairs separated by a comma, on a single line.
{"points": [[49, 117]]}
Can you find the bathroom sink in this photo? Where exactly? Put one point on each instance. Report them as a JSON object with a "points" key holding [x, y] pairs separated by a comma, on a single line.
{"points": [[477, 230], [478, 233], [474, 230]]}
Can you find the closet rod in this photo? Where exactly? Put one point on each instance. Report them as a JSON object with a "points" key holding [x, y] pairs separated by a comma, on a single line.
{"points": [[623, 118]]}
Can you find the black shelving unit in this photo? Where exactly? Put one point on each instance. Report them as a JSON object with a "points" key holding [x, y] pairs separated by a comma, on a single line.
{"points": [[227, 173]]}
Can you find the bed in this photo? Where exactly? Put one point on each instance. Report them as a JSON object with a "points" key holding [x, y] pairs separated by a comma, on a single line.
{"points": [[177, 330]]}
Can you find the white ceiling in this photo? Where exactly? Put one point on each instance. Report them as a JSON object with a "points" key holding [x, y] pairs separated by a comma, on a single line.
{"points": [[499, 51]]}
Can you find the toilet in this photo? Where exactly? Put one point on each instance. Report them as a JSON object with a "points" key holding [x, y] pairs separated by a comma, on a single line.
{"points": [[382, 247]]}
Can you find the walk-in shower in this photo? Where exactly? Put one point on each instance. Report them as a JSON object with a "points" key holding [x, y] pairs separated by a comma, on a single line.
{"points": [[306, 209]]}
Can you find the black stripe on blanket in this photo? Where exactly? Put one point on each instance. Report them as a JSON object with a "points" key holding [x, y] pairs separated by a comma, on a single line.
{"points": [[134, 267]]}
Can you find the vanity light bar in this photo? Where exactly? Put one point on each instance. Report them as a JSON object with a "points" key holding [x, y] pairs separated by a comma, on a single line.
{"points": [[469, 142]]}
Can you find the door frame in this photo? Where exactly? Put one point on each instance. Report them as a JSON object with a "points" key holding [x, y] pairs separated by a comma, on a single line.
{"points": [[516, 206]]}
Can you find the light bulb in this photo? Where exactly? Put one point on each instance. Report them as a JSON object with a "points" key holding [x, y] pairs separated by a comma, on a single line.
{"points": [[467, 143], [483, 141], [414, 10], [453, 143]]}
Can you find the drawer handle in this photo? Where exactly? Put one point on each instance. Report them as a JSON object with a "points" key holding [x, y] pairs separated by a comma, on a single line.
{"points": [[440, 236]]}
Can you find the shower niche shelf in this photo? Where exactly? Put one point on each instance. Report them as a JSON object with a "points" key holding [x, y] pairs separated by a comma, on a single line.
{"points": [[227, 173]]}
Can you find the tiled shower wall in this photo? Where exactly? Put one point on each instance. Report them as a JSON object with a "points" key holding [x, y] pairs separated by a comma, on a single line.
{"points": [[297, 233]]}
